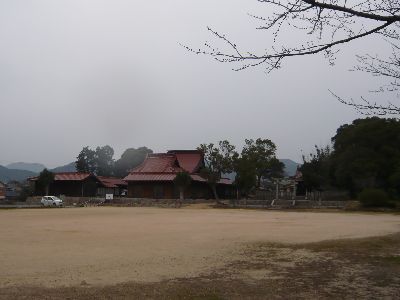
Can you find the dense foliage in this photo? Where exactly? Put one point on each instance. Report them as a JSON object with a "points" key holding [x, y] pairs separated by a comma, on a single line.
{"points": [[257, 161], [260, 154], [44, 180], [316, 169], [374, 198], [365, 155], [182, 181], [246, 175], [218, 160], [130, 159], [102, 163]]}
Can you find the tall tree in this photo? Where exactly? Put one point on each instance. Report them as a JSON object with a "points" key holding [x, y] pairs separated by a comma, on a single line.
{"points": [[261, 154], [44, 180], [246, 176], [130, 159], [182, 181], [218, 160], [367, 155], [316, 169], [326, 25], [86, 161], [104, 161]]}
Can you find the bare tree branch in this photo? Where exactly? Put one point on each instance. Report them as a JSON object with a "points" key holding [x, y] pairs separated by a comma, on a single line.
{"points": [[330, 24]]}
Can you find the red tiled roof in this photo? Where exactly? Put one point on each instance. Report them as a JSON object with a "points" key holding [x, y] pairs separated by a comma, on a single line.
{"points": [[72, 176], [167, 177], [111, 182], [150, 177], [67, 176], [165, 166], [189, 160], [159, 162]]}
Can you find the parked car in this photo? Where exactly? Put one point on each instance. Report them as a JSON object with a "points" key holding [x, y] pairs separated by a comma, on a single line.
{"points": [[51, 201]]}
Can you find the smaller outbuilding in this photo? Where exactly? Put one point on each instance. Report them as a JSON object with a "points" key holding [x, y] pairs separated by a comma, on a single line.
{"points": [[72, 184], [111, 185], [75, 184]]}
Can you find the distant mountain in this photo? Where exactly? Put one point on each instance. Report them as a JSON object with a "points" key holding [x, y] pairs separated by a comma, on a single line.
{"points": [[33, 167], [290, 167], [7, 174], [67, 168]]}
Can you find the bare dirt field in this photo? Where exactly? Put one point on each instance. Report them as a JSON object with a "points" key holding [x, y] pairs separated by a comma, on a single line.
{"points": [[188, 253]]}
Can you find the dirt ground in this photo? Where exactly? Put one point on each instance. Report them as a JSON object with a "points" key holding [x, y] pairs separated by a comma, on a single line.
{"points": [[114, 252]]}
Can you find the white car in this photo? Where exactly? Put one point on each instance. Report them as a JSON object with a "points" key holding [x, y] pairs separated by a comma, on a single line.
{"points": [[51, 201]]}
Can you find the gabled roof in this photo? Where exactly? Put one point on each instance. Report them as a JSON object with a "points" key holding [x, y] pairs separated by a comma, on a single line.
{"points": [[165, 166], [71, 176], [150, 177], [189, 160], [111, 182], [67, 176], [158, 162]]}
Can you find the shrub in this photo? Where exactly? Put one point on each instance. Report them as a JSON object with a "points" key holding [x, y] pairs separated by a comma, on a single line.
{"points": [[374, 198]]}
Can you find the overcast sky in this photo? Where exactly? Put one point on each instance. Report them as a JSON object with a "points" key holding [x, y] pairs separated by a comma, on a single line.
{"points": [[96, 72]]}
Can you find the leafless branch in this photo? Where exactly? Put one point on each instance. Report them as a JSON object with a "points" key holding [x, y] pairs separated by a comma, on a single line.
{"points": [[330, 24]]}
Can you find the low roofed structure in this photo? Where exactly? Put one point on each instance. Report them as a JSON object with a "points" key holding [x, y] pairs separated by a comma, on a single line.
{"points": [[111, 185], [74, 184]]}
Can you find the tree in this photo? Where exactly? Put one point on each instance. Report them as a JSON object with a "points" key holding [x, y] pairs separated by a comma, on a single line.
{"points": [[130, 159], [182, 181], [261, 155], [316, 169], [329, 25], [218, 160], [86, 161], [45, 179], [104, 161], [366, 154], [99, 161], [246, 176]]}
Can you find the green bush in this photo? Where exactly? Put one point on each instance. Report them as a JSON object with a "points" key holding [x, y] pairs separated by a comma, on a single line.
{"points": [[374, 198]]}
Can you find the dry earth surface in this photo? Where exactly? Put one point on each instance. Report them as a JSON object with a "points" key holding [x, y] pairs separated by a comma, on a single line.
{"points": [[114, 252]]}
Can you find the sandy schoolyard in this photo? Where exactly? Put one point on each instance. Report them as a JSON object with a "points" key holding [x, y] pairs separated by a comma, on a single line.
{"points": [[110, 245]]}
